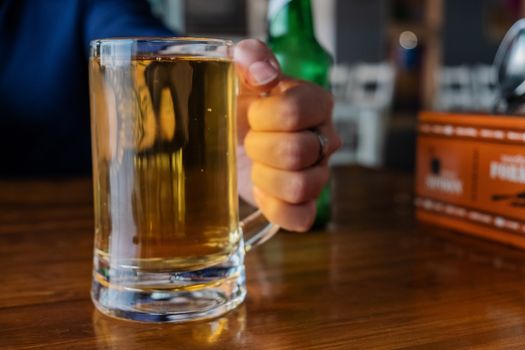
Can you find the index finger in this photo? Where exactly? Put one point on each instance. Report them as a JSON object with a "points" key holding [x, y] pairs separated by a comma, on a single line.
{"points": [[256, 65], [299, 107]]}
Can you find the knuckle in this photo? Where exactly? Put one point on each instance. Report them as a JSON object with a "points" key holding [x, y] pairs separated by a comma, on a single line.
{"points": [[291, 112], [307, 185], [249, 143], [264, 204], [300, 189], [253, 112], [307, 219], [338, 142], [272, 210], [335, 141], [292, 153], [255, 174]]}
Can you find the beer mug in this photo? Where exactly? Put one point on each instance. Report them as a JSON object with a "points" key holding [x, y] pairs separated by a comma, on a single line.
{"points": [[168, 241]]}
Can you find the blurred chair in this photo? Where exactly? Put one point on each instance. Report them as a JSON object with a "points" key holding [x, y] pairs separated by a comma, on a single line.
{"points": [[484, 87], [371, 86], [361, 112], [454, 89], [339, 76]]}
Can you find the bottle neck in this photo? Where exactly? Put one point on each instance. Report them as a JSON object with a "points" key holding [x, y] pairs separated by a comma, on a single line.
{"points": [[290, 18]]}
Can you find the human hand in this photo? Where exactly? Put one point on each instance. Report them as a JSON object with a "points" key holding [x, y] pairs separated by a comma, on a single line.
{"points": [[282, 163]]}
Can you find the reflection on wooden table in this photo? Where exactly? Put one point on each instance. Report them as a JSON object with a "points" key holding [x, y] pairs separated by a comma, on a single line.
{"points": [[374, 279]]}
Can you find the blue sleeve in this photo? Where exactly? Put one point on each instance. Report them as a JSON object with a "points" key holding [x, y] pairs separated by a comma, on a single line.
{"points": [[120, 18]]}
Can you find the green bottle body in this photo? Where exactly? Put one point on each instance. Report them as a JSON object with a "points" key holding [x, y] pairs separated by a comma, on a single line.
{"points": [[291, 37]]}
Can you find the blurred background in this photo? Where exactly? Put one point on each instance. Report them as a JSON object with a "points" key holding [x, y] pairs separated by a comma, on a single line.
{"points": [[392, 58]]}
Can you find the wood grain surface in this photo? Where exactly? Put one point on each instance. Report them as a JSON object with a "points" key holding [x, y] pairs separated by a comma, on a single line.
{"points": [[374, 279]]}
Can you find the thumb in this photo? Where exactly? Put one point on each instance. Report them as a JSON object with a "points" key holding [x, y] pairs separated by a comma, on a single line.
{"points": [[256, 65]]}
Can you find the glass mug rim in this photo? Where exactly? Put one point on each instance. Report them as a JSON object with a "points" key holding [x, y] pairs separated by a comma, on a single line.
{"points": [[167, 39], [124, 47], [254, 229]]}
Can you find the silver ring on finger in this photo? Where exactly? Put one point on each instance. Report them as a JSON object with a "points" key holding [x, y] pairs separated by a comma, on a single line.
{"points": [[323, 145]]}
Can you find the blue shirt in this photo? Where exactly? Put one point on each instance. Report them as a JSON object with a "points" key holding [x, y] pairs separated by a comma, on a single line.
{"points": [[44, 97]]}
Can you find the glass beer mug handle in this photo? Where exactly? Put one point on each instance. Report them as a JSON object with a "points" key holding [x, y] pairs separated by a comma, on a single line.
{"points": [[257, 230]]}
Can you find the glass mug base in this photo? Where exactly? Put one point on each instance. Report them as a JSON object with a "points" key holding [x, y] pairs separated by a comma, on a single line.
{"points": [[173, 297]]}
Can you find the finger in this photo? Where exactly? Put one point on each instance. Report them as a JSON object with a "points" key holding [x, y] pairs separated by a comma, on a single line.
{"points": [[244, 171], [333, 139], [243, 104], [286, 151], [300, 107], [290, 151], [294, 187], [256, 65], [293, 217]]}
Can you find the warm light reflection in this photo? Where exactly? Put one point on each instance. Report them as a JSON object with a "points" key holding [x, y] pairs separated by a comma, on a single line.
{"points": [[408, 40], [118, 334]]}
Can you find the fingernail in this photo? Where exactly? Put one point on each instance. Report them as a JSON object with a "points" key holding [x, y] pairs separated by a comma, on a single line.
{"points": [[263, 72]]}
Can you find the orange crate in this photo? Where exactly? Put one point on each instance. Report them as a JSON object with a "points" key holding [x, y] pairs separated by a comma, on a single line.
{"points": [[470, 174]]}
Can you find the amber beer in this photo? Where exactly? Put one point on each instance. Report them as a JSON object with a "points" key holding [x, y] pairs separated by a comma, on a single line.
{"points": [[163, 162]]}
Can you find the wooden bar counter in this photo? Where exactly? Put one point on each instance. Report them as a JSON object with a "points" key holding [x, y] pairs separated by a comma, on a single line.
{"points": [[374, 279]]}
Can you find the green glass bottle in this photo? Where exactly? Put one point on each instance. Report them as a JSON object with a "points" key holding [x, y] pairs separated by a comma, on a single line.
{"points": [[291, 37]]}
